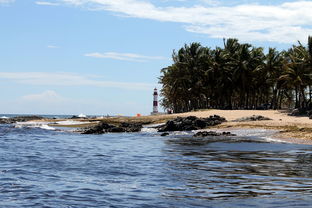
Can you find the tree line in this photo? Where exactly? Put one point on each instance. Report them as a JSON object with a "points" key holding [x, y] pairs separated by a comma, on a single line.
{"points": [[237, 76]]}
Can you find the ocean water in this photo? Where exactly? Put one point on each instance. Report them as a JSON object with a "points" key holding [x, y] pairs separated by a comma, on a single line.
{"points": [[58, 168]]}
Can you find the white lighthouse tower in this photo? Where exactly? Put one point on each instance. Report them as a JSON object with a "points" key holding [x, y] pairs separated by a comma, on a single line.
{"points": [[155, 102]]}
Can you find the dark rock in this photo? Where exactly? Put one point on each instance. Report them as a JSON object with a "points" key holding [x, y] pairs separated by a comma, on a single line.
{"points": [[191, 123], [265, 106], [252, 118], [19, 119], [102, 128], [299, 112], [116, 130], [97, 129], [212, 133], [5, 121], [131, 127], [164, 134]]}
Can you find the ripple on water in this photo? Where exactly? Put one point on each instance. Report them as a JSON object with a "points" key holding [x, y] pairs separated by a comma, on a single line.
{"points": [[40, 168]]}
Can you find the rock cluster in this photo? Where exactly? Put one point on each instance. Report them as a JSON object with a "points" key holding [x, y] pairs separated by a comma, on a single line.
{"points": [[252, 118], [190, 123], [299, 112], [212, 133], [103, 127], [309, 114], [19, 119]]}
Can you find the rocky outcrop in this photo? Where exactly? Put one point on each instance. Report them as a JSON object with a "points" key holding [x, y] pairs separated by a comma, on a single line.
{"points": [[212, 133], [299, 112], [309, 114], [190, 123], [19, 119], [103, 127], [252, 118]]}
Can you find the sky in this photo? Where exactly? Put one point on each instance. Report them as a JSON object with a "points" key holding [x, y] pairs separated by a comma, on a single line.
{"points": [[100, 57]]}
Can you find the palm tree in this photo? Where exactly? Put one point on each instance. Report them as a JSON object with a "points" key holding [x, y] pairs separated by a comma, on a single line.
{"points": [[272, 69], [297, 73], [236, 76]]}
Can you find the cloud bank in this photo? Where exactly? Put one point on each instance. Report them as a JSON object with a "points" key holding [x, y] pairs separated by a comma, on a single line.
{"points": [[48, 96], [53, 46], [47, 3], [124, 56], [283, 23]]}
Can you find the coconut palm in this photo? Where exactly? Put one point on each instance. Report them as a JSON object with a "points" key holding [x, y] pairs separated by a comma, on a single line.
{"points": [[236, 76]]}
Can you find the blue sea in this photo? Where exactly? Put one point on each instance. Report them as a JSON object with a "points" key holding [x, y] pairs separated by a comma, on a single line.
{"points": [[60, 168]]}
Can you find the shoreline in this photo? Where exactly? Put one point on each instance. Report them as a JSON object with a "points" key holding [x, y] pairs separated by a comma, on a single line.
{"points": [[290, 128]]}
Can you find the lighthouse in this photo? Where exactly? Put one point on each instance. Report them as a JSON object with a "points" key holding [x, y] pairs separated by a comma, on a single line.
{"points": [[155, 102]]}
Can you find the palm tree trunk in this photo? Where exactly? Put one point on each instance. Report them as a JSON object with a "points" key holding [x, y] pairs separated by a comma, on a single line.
{"points": [[303, 104], [274, 97], [296, 97]]}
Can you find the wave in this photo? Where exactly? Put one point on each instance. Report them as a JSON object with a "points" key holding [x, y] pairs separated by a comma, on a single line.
{"points": [[31, 124], [70, 122], [46, 125]]}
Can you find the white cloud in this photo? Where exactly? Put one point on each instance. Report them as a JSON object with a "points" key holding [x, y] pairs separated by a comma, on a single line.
{"points": [[69, 79], [47, 3], [53, 46], [124, 56], [48, 96], [284, 23]]}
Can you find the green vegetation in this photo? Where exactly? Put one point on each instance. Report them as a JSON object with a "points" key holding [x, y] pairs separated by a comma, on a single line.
{"points": [[237, 76]]}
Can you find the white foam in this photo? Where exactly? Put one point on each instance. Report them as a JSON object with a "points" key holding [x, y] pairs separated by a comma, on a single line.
{"points": [[148, 130], [271, 139], [47, 127], [82, 115], [32, 124], [70, 122], [4, 117]]}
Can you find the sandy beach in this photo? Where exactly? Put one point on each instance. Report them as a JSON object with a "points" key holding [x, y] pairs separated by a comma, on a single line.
{"points": [[291, 128]]}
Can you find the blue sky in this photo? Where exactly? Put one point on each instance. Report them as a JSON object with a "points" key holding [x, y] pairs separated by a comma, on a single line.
{"points": [[105, 56]]}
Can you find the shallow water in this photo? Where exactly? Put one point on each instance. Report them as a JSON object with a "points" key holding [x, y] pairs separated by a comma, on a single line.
{"points": [[44, 168]]}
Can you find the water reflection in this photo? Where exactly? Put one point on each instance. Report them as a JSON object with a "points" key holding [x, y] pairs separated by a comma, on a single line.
{"points": [[240, 167]]}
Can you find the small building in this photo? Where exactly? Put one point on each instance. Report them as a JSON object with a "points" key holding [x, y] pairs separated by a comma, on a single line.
{"points": [[155, 102]]}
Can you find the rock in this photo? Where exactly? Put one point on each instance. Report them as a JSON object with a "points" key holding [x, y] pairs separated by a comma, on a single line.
{"points": [[309, 114], [164, 134], [116, 130], [299, 112], [103, 127], [19, 119], [97, 129], [212, 133], [252, 118], [190, 123], [131, 127]]}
